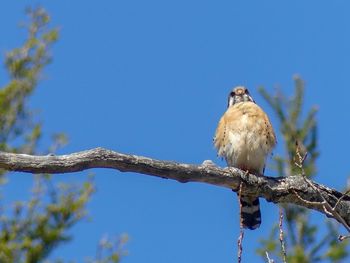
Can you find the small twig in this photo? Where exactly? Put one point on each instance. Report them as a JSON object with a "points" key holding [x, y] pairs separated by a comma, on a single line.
{"points": [[240, 247], [306, 201], [301, 159], [241, 231], [283, 245], [342, 238], [327, 208], [341, 198], [269, 260], [322, 204]]}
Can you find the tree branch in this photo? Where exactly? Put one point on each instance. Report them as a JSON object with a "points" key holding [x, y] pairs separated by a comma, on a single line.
{"points": [[291, 189]]}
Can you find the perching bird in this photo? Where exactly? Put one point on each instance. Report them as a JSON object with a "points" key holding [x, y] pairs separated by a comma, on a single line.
{"points": [[245, 137]]}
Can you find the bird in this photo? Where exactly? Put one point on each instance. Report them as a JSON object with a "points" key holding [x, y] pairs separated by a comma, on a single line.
{"points": [[245, 138]]}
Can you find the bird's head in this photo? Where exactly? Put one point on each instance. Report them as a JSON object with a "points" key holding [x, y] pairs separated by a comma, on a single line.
{"points": [[239, 94]]}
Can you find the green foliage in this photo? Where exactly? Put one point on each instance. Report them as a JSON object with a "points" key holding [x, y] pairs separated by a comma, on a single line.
{"points": [[303, 240], [36, 227], [109, 251], [32, 229], [295, 129], [19, 132]]}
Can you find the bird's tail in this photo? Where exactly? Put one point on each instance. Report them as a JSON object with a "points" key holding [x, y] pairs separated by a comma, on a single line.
{"points": [[250, 212]]}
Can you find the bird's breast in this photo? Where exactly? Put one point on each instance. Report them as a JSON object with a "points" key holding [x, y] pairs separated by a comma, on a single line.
{"points": [[245, 137]]}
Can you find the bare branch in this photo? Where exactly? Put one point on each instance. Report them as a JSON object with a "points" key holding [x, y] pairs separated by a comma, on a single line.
{"points": [[291, 189]]}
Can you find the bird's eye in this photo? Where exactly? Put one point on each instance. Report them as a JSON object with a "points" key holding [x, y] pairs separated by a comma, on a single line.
{"points": [[232, 94], [246, 91]]}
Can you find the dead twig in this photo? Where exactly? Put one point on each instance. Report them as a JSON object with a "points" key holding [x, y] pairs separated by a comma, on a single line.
{"points": [[327, 208], [341, 198], [269, 260], [241, 231], [342, 238], [281, 236]]}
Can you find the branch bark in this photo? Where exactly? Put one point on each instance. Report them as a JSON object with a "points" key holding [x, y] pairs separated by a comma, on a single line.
{"points": [[291, 189]]}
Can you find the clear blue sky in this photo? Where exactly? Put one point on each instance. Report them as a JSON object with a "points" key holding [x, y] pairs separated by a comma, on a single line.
{"points": [[152, 78]]}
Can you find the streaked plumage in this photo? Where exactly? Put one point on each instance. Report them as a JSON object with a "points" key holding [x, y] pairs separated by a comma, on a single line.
{"points": [[245, 137]]}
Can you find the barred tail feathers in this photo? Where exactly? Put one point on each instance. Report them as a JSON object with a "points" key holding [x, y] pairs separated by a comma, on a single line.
{"points": [[250, 212]]}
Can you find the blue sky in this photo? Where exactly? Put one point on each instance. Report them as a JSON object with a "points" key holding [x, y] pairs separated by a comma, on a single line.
{"points": [[151, 78]]}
